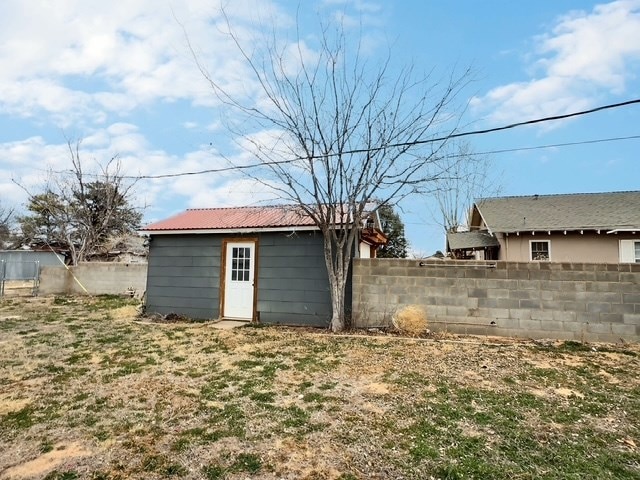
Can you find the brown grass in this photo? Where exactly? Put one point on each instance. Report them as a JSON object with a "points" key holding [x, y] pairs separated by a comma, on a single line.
{"points": [[88, 393]]}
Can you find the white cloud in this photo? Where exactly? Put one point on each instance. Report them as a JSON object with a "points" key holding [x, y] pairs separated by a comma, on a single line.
{"points": [[74, 58], [585, 57]]}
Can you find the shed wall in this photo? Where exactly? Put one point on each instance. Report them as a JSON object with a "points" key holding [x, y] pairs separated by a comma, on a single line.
{"points": [[293, 288]]}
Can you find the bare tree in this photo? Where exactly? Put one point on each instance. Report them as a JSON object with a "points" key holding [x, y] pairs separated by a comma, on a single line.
{"points": [[6, 222], [334, 131], [470, 177], [78, 211]]}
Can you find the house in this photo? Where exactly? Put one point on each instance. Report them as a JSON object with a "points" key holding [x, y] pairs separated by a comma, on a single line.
{"points": [[586, 227], [251, 263]]}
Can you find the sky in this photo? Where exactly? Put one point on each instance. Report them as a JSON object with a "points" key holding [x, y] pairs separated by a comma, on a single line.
{"points": [[121, 76]]}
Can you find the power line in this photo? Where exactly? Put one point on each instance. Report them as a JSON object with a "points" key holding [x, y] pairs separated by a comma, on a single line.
{"points": [[552, 145], [490, 152], [422, 142]]}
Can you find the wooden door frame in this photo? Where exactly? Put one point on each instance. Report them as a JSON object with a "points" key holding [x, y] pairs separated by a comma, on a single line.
{"points": [[223, 272]]}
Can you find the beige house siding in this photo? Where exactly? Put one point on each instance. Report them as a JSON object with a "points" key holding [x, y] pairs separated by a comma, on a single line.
{"points": [[573, 247]]}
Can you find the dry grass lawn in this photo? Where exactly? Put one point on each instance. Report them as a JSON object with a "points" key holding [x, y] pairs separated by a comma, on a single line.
{"points": [[87, 391]]}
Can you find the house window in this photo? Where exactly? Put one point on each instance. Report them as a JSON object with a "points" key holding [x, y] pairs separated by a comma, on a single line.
{"points": [[637, 252], [540, 250]]}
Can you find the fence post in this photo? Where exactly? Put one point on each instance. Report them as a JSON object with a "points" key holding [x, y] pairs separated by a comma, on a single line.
{"points": [[2, 275], [36, 278]]}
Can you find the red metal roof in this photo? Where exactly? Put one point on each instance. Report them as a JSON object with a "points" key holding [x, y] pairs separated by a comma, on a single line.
{"points": [[234, 218]]}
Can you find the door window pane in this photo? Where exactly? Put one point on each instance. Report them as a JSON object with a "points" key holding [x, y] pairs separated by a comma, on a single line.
{"points": [[240, 264]]}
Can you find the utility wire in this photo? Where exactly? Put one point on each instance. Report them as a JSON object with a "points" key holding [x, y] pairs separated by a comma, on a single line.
{"points": [[552, 145], [422, 142], [490, 152]]}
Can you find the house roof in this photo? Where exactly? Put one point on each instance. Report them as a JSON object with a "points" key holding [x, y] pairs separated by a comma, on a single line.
{"points": [[582, 211], [237, 218], [471, 240]]}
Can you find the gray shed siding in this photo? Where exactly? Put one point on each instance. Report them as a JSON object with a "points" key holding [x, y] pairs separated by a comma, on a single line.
{"points": [[293, 286], [183, 275]]}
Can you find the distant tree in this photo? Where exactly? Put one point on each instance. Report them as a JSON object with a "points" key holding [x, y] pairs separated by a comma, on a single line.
{"points": [[470, 176], [80, 211], [6, 219], [393, 228]]}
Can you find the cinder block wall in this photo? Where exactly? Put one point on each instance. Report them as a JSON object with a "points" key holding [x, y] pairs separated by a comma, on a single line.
{"points": [[97, 277], [567, 301]]}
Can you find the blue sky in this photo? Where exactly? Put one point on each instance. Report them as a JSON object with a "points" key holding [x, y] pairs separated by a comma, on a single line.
{"points": [[120, 75]]}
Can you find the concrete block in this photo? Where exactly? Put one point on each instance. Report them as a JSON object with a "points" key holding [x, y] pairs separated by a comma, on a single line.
{"points": [[520, 314], [525, 324], [588, 317], [477, 330], [529, 284], [455, 311], [457, 301], [497, 293], [545, 295], [553, 325], [507, 303], [575, 327], [626, 287], [539, 274], [475, 273], [605, 276], [632, 319], [603, 297], [476, 293], [631, 298], [563, 316], [633, 278], [624, 330], [435, 310], [622, 308], [549, 285], [501, 313], [497, 274], [524, 294], [611, 317], [533, 304], [518, 274], [487, 302], [545, 315], [599, 328], [491, 283], [574, 306], [598, 307]]}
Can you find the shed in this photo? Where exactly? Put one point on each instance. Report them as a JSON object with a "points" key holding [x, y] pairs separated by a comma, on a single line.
{"points": [[261, 264]]}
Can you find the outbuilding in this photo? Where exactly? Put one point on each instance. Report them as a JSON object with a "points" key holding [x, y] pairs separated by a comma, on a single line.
{"points": [[261, 264]]}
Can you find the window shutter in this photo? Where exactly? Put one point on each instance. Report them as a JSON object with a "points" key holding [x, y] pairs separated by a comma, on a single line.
{"points": [[627, 251]]}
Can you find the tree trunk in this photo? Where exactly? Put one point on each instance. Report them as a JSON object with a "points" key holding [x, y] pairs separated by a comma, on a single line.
{"points": [[337, 256], [337, 286]]}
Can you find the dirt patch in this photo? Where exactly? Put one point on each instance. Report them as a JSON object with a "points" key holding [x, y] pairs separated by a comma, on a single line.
{"points": [[377, 389], [567, 392], [47, 462], [126, 312], [9, 405]]}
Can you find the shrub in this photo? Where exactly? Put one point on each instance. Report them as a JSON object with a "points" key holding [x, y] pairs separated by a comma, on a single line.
{"points": [[410, 320]]}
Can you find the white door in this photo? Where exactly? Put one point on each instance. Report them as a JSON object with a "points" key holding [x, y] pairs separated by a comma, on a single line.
{"points": [[239, 277]]}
